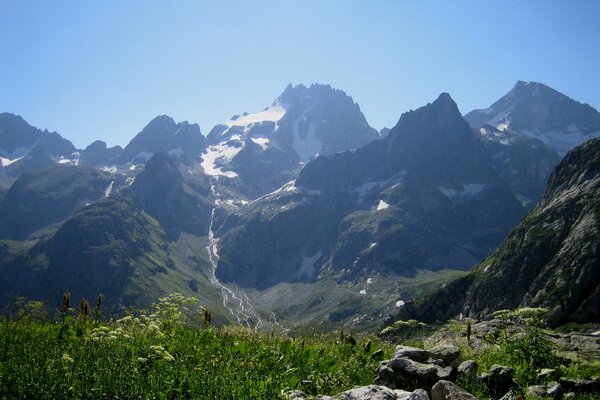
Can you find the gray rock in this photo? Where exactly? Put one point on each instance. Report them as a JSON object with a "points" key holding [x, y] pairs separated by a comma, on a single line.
{"points": [[537, 391], [468, 369], [402, 394], [579, 385], [446, 373], [297, 395], [418, 394], [438, 362], [447, 353], [444, 390], [554, 390], [404, 373], [510, 395], [413, 353], [371, 392]]}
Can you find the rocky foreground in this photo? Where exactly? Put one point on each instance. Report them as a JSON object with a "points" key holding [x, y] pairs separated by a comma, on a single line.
{"points": [[439, 372]]}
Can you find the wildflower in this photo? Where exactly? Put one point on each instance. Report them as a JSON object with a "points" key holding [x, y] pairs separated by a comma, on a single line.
{"points": [[124, 320], [67, 359], [142, 360]]}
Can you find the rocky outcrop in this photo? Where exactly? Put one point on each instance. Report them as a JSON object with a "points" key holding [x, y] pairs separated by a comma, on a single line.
{"points": [[413, 368]]}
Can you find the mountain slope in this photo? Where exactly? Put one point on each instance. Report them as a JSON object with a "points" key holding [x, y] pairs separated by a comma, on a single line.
{"points": [[48, 196], [95, 251], [541, 112], [425, 197], [524, 163], [178, 204], [551, 259]]}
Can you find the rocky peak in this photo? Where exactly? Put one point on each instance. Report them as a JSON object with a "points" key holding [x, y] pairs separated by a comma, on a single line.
{"points": [[16, 133]]}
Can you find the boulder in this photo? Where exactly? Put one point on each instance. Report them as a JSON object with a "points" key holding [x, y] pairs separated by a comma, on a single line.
{"points": [[446, 373], [511, 395], [537, 391], [297, 395], [371, 392], [404, 373], [580, 385], [554, 390], [445, 390], [468, 370], [446, 353], [413, 353]]}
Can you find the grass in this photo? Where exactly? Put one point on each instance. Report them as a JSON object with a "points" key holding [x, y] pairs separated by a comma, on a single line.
{"points": [[169, 354]]}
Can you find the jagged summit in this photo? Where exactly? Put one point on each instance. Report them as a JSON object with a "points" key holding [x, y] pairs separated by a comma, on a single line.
{"points": [[163, 132], [539, 111]]}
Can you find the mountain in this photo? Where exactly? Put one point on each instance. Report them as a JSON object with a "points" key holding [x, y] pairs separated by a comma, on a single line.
{"points": [[44, 197], [163, 132], [98, 250], [425, 197], [256, 153], [25, 148], [551, 259], [541, 112], [523, 162], [97, 154], [178, 204]]}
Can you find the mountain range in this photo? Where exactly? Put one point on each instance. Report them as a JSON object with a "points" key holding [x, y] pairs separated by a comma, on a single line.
{"points": [[299, 213]]}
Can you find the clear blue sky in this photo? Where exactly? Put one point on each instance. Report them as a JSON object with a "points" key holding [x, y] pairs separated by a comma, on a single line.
{"points": [[103, 69]]}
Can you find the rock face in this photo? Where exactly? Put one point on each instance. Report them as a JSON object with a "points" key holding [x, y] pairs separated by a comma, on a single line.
{"points": [[541, 112], [549, 260], [425, 197]]}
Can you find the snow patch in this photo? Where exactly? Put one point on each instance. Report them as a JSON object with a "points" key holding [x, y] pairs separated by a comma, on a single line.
{"points": [[129, 181], [400, 303], [364, 291], [308, 266], [222, 153], [111, 170], [372, 245], [273, 114], [468, 190], [262, 142], [109, 189], [309, 146], [4, 162], [382, 205], [369, 281]]}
